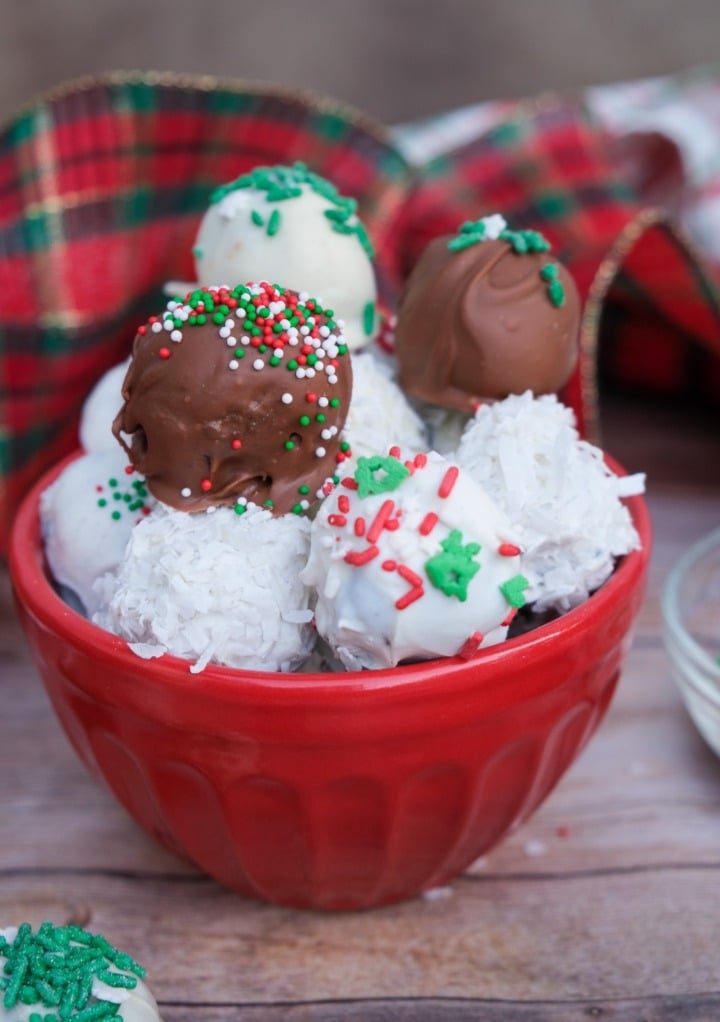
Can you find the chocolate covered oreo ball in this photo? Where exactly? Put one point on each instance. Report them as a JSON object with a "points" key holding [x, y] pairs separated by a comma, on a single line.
{"points": [[486, 313], [235, 396]]}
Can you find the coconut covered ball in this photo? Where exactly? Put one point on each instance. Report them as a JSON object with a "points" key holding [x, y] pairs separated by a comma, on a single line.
{"points": [[486, 313], [411, 560], [237, 395], [68, 973], [380, 414], [86, 517], [564, 502], [220, 586], [287, 224]]}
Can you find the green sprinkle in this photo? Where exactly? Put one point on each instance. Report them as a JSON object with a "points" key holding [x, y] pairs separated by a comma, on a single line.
{"points": [[116, 516], [102, 502], [514, 591], [452, 570], [198, 251], [240, 509], [369, 319], [320, 417], [289, 445], [292, 364], [556, 293], [297, 509], [304, 488], [268, 503], [239, 353], [257, 218], [549, 271], [55, 968], [304, 420], [334, 402], [273, 223], [379, 474]]}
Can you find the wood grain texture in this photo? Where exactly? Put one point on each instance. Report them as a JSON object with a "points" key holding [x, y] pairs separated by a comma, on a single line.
{"points": [[603, 906]]}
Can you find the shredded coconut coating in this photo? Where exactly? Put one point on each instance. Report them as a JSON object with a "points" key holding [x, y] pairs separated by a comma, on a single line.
{"points": [[563, 501], [213, 587], [379, 413]]}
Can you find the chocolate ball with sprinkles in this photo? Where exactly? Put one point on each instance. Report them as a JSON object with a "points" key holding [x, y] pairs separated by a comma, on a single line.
{"points": [[289, 224], [486, 313], [66, 974], [412, 560], [237, 395]]}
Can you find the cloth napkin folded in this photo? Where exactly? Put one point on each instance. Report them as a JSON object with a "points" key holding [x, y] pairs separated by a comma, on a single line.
{"points": [[102, 185]]}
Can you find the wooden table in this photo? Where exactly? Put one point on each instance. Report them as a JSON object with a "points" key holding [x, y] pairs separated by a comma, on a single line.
{"points": [[603, 906]]}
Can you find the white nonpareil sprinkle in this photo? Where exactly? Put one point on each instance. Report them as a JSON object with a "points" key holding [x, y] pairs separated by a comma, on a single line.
{"points": [[494, 226], [258, 364], [176, 336], [320, 452], [287, 398], [233, 364], [186, 491]]}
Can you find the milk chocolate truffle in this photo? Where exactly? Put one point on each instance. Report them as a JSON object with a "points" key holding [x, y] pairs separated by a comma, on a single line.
{"points": [[237, 396], [486, 313]]}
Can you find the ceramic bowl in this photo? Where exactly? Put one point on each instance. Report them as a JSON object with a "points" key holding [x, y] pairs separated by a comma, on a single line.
{"points": [[691, 631], [330, 791]]}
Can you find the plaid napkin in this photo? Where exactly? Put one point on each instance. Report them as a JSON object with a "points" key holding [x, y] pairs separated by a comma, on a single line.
{"points": [[103, 183]]}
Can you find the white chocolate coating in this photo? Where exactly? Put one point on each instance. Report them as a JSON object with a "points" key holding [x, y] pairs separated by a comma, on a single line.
{"points": [[86, 520], [376, 602], [302, 250], [100, 408]]}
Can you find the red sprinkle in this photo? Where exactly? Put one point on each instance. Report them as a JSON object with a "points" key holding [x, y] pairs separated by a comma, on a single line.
{"points": [[360, 526], [509, 550], [408, 598], [428, 523], [164, 353], [360, 557], [448, 482], [129, 469], [343, 503], [311, 397], [349, 483], [378, 523], [236, 444], [420, 460], [409, 575], [471, 645], [337, 520], [394, 452], [205, 485], [509, 617], [389, 565]]}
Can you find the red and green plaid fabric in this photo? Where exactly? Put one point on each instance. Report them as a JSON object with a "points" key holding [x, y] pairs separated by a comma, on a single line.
{"points": [[102, 186]]}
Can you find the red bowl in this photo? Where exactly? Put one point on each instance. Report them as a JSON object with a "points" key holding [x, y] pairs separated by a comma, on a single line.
{"points": [[330, 791]]}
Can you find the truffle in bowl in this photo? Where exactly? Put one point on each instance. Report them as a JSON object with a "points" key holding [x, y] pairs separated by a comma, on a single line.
{"points": [[691, 632], [337, 790]]}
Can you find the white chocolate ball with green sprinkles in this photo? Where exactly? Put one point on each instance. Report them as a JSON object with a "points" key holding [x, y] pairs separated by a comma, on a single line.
{"points": [[66, 974], [87, 515], [412, 560], [290, 225]]}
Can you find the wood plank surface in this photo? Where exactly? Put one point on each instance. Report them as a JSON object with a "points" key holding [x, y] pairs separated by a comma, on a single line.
{"points": [[603, 906]]}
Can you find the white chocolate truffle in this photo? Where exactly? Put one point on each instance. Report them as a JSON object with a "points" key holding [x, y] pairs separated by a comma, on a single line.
{"points": [[564, 503], [100, 408], [379, 414], [213, 586], [87, 516], [55, 967], [289, 225], [411, 561]]}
